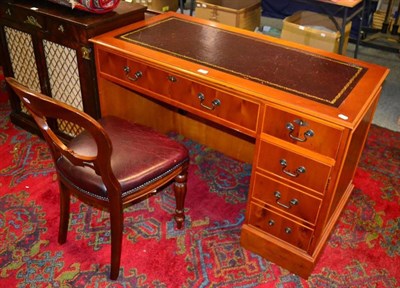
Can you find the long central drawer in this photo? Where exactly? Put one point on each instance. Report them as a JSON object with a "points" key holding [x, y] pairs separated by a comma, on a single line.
{"points": [[208, 102]]}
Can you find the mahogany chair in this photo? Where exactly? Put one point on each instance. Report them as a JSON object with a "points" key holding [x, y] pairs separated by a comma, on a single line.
{"points": [[110, 164]]}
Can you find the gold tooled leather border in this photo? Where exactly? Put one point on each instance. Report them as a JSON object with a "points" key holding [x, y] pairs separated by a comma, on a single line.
{"points": [[359, 70]]}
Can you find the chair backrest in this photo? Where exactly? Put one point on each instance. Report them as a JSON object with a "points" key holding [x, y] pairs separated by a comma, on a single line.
{"points": [[44, 108]]}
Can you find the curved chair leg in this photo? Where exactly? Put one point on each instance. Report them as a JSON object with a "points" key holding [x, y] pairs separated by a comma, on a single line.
{"points": [[64, 213], [116, 216], [180, 194]]}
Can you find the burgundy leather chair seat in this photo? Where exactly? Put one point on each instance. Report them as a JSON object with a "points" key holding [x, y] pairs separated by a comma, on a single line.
{"points": [[151, 157]]}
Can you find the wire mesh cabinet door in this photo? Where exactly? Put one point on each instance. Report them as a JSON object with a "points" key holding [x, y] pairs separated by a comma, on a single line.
{"points": [[46, 65]]}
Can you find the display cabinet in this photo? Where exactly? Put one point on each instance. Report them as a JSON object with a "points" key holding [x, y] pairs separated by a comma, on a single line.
{"points": [[46, 47]]}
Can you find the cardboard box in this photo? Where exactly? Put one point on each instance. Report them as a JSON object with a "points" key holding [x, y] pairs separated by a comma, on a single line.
{"points": [[379, 17], [244, 14], [159, 5], [315, 30]]}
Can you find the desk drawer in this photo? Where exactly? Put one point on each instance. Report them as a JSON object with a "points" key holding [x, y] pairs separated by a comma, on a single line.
{"points": [[228, 107], [302, 131], [285, 198], [293, 167], [135, 74], [279, 226]]}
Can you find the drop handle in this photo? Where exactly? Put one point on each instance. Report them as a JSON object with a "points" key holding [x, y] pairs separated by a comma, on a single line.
{"points": [[298, 171], [135, 77], [309, 133], [214, 103], [292, 202]]}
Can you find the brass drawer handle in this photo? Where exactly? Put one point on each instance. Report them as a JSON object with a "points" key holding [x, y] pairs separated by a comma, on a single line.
{"points": [[299, 170], [214, 103], [307, 134], [292, 202], [288, 230], [135, 77]]}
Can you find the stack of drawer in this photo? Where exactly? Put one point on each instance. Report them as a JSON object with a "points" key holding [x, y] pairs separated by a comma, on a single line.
{"points": [[296, 156]]}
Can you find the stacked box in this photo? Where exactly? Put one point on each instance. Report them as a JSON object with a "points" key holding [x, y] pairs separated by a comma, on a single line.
{"points": [[244, 14], [379, 17], [315, 30]]}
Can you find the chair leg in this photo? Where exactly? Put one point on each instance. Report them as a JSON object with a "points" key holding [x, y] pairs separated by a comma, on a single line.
{"points": [[117, 227], [64, 213], [180, 194]]}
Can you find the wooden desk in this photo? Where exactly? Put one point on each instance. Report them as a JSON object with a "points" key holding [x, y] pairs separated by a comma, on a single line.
{"points": [[300, 115]]}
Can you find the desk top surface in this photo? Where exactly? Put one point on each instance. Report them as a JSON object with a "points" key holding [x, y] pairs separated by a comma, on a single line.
{"points": [[290, 74], [313, 76]]}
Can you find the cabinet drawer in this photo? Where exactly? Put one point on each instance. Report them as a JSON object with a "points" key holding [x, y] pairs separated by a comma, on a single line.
{"points": [[294, 167], [64, 31], [228, 107], [302, 131], [27, 18], [279, 226], [285, 198]]}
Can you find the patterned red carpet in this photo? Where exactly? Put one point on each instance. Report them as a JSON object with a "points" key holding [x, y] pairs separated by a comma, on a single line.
{"points": [[364, 250]]}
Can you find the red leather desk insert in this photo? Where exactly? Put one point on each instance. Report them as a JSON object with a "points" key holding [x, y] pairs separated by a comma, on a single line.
{"points": [[307, 114], [308, 75]]}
